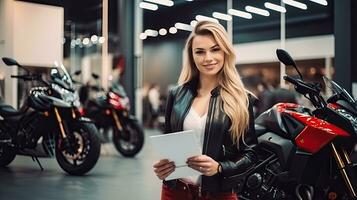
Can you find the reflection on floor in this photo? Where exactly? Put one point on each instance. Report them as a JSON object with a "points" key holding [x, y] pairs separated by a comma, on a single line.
{"points": [[114, 177]]}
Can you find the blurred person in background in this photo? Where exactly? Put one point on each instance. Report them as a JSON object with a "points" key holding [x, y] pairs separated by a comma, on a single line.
{"points": [[83, 93], [146, 104], [264, 97], [211, 100], [154, 100], [269, 96], [284, 95]]}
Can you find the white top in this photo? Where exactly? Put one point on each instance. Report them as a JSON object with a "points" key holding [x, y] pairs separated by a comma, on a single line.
{"points": [[197, 123]]}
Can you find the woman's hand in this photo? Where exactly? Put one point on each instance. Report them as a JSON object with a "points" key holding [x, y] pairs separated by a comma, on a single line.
{"points": [[163, 168], [204, 164]]}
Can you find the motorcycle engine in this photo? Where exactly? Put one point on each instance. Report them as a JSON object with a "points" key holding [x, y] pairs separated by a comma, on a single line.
{"points": [[28, 134], [4, 132], [264, 183]]}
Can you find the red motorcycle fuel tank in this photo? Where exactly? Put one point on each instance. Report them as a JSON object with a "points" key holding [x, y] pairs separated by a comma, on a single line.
{"points": [[317, 132], [314, 134]]}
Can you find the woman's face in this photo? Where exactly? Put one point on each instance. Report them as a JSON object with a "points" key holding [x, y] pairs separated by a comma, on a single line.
{"points": [[207, 55]]}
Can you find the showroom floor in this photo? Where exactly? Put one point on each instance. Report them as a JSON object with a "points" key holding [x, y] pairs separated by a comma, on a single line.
{"points": [[114, 177]]}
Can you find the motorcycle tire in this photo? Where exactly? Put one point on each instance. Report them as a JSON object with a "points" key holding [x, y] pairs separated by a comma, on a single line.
{"points": [[87, 149], [130, 146], [7, 155]]}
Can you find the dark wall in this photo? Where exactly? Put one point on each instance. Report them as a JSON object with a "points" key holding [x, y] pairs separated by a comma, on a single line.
{"points": [[316, 20], [354, 41], [345, 43], [127, 47], [162, 62]]}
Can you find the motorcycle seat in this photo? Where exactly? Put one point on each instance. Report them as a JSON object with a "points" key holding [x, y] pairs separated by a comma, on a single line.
{"points": [[101, 102], [9, 111], [96, 105]]}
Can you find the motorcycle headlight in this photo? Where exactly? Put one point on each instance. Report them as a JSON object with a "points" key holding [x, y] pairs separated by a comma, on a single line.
{"points": [[67, 96], [76, 101], [125, 102], [349, 116]]}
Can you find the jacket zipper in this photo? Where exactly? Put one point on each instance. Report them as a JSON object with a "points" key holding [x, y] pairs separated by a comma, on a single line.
{"points": [[207, 132]]}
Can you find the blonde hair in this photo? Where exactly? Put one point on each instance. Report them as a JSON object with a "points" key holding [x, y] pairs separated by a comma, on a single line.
{"points": [[232, 91]]}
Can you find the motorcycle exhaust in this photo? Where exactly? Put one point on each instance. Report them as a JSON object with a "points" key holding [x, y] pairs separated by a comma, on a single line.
{"points": [[8, 141], [39, 151]]}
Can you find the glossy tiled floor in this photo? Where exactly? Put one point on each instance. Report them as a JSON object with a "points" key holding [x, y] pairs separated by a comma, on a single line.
{"points": [[114, 177]]}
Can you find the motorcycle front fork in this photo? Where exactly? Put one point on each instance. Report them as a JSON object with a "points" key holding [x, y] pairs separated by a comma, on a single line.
{"points": [[345, 167], [67, 141], [60, 123], [117, 121], [123, 134]]}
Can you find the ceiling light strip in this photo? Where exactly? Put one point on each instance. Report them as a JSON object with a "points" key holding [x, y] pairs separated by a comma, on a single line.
{"points": [[162, 2], [193, 23], [205, 18], [142, 36], [258, 11], [222, 16], [172, 30], [148, 6], [162, 31], [322, 2], [182, 26], [295, 4], [275, 7], [239, 13], [152, 33]]}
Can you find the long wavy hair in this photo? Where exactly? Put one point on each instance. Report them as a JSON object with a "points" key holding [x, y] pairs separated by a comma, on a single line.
{"points": [[232, 91]]}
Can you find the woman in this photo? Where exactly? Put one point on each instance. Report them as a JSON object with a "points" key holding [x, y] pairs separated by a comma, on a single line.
{"points": [[212, 100]]}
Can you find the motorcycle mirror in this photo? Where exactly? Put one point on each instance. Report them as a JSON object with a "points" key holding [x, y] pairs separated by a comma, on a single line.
{"points": [[95, 76], [77, 72], [285, 58], [9, 61], [12, 62]]}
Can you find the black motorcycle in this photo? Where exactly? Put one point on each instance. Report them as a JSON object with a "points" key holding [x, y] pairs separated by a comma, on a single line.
{"points": [[304, 154], [110, 110], [47, 126]]}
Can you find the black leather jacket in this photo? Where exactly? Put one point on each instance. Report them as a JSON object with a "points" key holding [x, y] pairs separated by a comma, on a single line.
{"points": [[217, 143]]}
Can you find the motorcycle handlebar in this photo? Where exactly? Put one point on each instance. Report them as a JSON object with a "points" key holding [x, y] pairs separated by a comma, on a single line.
{"points": [[291, 80], [14, 76], [30, 78], [311, 90], [301, 86], [24, 77]]}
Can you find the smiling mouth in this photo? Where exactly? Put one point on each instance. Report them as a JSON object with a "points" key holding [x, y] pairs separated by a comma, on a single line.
{"points": [[210, 65]]}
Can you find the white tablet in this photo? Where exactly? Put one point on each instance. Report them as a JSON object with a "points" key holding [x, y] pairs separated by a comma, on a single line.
{"points": [[178, 147]]}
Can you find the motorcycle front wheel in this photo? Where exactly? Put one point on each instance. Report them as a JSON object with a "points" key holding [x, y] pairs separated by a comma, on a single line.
{"points": [[130, 140], [7, 155], [81, 151]]}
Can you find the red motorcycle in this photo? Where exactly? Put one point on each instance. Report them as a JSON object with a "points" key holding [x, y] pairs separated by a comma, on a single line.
{"points": [[111, 111], [303, 153]]}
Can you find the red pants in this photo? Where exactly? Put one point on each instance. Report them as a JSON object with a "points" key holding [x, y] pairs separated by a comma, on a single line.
{"points": [[190, 192]]}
